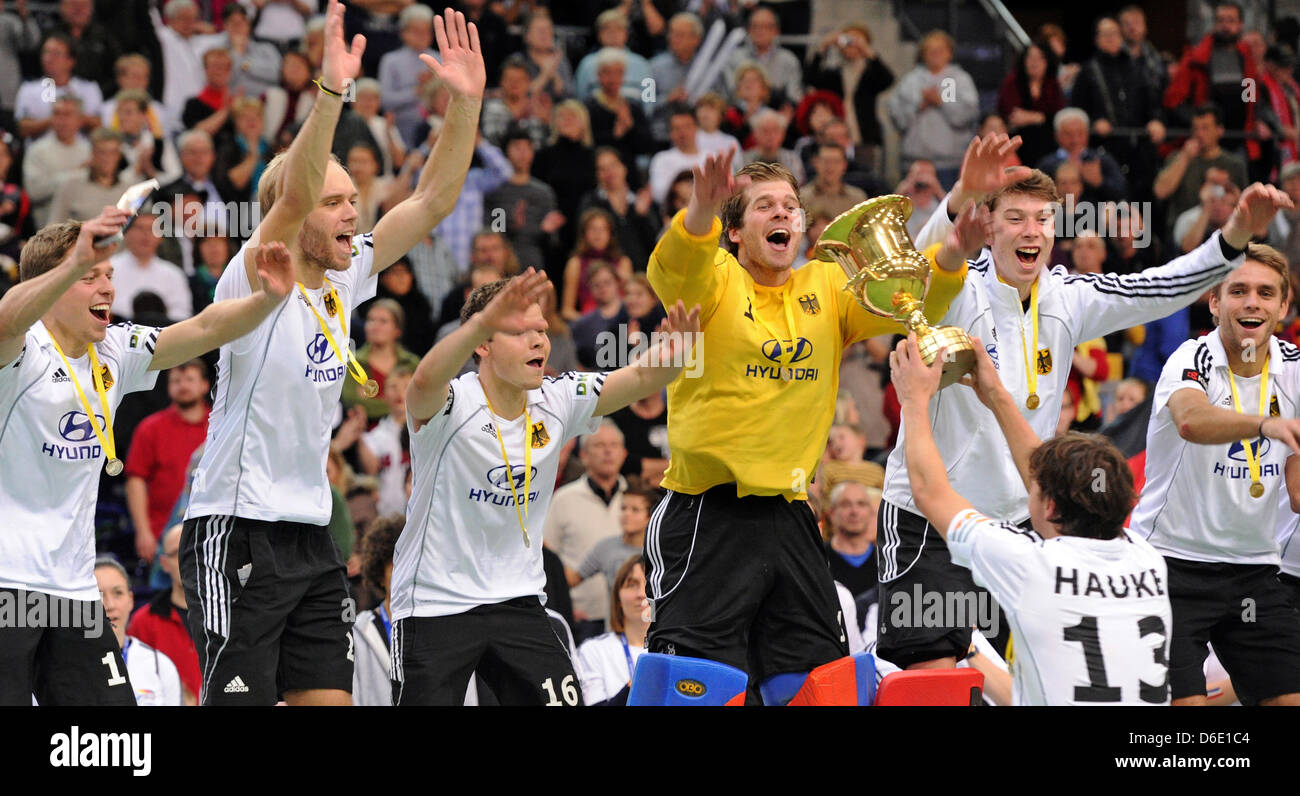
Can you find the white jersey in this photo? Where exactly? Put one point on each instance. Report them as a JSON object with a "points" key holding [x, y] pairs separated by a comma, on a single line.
{"points": [[1090, 618], [50, 457], [153, 675], [277, 389], [1288, 538], [1071, 309], [604, 666], [462, 546], [1196, 504], [385, 442]]}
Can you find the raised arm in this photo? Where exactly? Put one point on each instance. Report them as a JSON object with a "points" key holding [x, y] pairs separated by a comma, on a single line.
{"points": [[443, 175], [983, 171], [658, 366], [683, 265], [504, 314], [1202, 422], [303, 176], [993, 393], [25, 303], [228, 320]]}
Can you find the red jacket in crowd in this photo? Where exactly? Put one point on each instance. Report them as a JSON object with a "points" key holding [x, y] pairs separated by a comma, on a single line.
{"points": [[1191, 83], [160, 625]]}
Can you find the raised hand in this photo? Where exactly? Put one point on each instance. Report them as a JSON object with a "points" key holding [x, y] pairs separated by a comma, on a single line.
{"points": [[678, 331], [461, 69], [107, 224], [274, 269], [983, 168], [505, 313], [713, 182], [969, 234], [1254, 212], [984, 378], [914, 381], [340, 63]]}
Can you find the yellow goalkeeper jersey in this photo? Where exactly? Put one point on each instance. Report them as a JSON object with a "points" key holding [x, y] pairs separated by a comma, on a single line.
{"points": [[758, 405]]}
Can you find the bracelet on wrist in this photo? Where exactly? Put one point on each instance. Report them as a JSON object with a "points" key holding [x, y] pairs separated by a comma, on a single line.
{"points": [[326, 89]]}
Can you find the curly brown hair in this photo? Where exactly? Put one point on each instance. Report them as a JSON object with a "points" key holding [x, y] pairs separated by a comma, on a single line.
{"points": [[377, 548], [1090, 482]]}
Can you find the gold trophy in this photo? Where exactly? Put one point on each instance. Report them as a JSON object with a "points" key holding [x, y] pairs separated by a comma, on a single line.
{"points": [[889, 277]]}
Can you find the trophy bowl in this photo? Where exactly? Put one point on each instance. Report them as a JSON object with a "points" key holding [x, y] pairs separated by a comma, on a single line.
{"points": [[888, 277]]}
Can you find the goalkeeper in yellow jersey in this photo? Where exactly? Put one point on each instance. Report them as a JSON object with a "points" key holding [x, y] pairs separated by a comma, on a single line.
{"points": [[735, 568]]}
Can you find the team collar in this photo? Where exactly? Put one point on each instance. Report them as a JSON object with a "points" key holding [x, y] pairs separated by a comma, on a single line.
{"points": [[531, 397], [995, 282], [1219, 354]]}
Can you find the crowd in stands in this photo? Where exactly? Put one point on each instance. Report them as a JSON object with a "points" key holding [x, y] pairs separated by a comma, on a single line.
{"points": [[595, 114]]}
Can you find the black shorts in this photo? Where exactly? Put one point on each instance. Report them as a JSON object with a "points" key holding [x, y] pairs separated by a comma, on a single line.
{"points": [[1292, 584], [270, 608], [512, 646], [1244, 610], [68, 655], [912, 559], [743, 581]]}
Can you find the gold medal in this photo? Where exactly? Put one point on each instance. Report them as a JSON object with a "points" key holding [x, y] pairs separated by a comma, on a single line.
{"points": [[1031, 372], [1257, 490], [114, 467], [1032, 401], [370, 389], [1253, 454]]}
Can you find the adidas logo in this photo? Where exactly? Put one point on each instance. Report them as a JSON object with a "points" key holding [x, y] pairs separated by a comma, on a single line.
{"points": [[59, 376], [488, 428], [236, 686]]}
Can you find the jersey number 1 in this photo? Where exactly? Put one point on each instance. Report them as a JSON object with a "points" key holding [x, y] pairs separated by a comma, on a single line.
{"points": [[1099, 689], [116, 678]]}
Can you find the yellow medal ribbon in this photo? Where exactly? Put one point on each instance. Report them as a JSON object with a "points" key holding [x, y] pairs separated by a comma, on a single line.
{"points": [[789, 322], [1252, 457], [369, 387], [105, 433], [528, 463], [1031, 370]]}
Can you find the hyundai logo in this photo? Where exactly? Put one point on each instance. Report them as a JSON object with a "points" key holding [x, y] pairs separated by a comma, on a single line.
{"points": [[497, 476], [76, 427], [774, 350], [319, 350], [1238, 453]]}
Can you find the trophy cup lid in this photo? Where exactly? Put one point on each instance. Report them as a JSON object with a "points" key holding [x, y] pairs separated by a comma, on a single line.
{"points": [[840, 228]]}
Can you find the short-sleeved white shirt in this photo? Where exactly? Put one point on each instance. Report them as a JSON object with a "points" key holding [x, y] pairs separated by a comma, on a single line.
{"points": [[1090, 618], [462, 546], [277, 390], [50, 457], [153, 675]]}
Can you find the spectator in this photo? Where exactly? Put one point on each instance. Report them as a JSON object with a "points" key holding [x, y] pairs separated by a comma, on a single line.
{"points": [[684, 155], [608, 555], [669, 70], [548, 68], [753, 95], [83, 195], [605, 663], [921, 185], [1212, 71], [156, 464], [132, 73], [181, 67], [197, 158], [1067, 72], [19, 35], [592, 331], [493, 33], [1098, 169], [769, 133], [1184, 171], [137, 268], [568, 163], [256, 63], [1129, 394], [1133, 27], [514, 104], [934, 108], [435, 270], [397, 282], [1282, 107], [526, 205], [313, 43], [384, 450], [816, 110], [379, 22], [246, 153], [596, 244], [644, 424], [679, 195], [612, 34], [1290, 218], [1218, 198], [214, 253], [96, 46], [401, 73], [382, 354], [289, 104], [564, 356], [209, 110], [152, 676], [1133, 247], [33, 107], [616, 121], [1030, 96], [382, 127], [860, 78], [372, 634], [284, 23], [644, 312], [1088, 254], [1090, 365], [636, 227], [709, 111], [182, 222], [782, 67], [851, 523], [491, 252], [58, 153], [586, 511], [375, 193], [826, 194], [162, 623], [148, 153], [15, 205]]}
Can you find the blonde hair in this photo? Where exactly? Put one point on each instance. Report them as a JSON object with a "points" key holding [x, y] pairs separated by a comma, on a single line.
{"points": [[269, 187], [580, 110]]}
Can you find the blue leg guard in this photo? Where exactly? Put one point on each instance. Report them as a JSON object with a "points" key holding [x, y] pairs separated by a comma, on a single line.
{"points": [[661, 680]]}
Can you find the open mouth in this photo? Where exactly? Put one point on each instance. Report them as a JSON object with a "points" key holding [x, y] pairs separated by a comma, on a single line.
{"points": [[100, 311], [1027, 255], [536, 362], [779, 239], [1251, 323], [344, 241]]}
